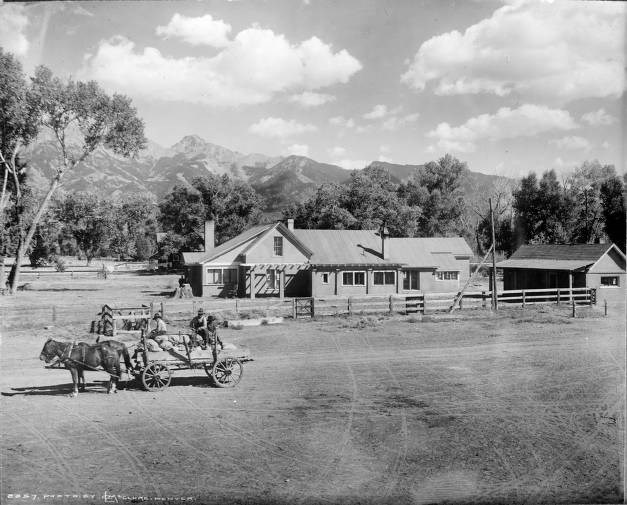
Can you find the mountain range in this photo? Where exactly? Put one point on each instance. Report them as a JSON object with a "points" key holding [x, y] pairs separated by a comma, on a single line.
{"points": [[280, 180]]}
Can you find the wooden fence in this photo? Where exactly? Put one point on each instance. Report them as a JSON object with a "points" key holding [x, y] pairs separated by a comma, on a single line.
{"points": [[184, 309]]}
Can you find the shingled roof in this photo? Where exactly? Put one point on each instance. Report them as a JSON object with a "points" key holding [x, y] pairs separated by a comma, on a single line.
{"points": [[556, 256]]}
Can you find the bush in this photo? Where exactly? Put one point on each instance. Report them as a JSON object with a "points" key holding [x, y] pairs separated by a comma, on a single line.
{"points": [[59, 264]]}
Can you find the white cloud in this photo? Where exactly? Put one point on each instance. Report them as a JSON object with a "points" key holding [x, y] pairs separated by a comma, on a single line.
{"points": [[525, 121], [13, 22], [378, 111], [274, 127], [571, 143], [395, 122], [337, 152], [351, 164], [297, 150], [255, 66], [598, 118], [311, 99], [197, 31], [545, 51], [342, 121]]}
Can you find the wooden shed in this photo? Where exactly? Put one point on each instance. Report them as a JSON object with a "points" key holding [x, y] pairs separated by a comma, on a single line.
{"points": [[546, 266]]}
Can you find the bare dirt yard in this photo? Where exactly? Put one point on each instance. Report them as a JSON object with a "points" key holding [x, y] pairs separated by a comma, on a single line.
{"points": [[526, 406]]}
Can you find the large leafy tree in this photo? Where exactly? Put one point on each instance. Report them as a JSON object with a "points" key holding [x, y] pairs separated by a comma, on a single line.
{"points": [[134, 226], [233, 205], [80, 117], [89, 219], [613, 201], [436, 190], [324, 210]]}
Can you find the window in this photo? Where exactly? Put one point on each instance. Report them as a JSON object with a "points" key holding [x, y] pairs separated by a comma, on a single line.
{"points": [[384, 278], [278, 246], [325, 278], [447, 276], [354, 278], [273, 279], [610, 281], [222, 276], [410, 280]]}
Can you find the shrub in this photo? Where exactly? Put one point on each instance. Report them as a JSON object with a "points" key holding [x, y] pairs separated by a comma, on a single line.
{"points": [[59, 264]]}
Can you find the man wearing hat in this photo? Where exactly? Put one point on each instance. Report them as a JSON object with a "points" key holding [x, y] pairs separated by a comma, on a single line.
{"points": [[199, 325], [161, 327]]}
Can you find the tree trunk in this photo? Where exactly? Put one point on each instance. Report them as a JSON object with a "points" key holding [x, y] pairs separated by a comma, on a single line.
{"points": [[21, 251]]}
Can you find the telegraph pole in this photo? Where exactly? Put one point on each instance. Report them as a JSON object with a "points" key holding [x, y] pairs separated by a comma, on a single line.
{"points": [[495, 300]]}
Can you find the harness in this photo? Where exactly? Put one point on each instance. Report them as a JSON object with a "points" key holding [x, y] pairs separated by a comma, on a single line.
{"points": [[65, 356]]}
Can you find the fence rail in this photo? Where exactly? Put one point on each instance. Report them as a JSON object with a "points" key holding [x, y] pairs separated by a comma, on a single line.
{"points": [[293, 307]]}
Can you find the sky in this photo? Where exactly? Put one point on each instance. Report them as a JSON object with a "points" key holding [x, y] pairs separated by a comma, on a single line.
{"points": [[508, 87]]}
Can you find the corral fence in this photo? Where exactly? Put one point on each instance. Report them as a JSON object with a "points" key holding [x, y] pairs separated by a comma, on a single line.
{"points": [[233, 308]]}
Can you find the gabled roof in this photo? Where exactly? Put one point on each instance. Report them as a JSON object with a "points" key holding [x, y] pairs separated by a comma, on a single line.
{"points": [[281, 228], [237, 241], [556, 256], [454, 245]]}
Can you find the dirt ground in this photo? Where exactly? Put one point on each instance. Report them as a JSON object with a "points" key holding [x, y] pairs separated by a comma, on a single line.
{"points": [[523, 407]]}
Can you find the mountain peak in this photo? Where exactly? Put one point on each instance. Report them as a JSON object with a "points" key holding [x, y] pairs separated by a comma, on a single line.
{"points": [[190, 143]]}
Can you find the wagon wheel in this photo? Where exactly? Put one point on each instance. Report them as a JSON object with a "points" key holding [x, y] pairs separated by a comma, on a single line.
{"points": [[156, 377], [226, 373]]}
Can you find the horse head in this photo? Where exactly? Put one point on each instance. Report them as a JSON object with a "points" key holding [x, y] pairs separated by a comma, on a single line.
{"points": [[49, 351]]}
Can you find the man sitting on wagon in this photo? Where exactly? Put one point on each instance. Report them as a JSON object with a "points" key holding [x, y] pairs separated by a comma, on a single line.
{"points": [[160, 329], [205, 328]]}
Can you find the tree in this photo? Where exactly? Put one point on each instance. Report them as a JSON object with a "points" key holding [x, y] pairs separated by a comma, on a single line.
{"points": [[323, 210], [436, 191], [613, 202], [233, 205], [90, 220], [134, 224], [81, 117], [18, 124]]}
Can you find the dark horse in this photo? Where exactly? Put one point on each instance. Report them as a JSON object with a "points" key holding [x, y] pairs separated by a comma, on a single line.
{"points": [[80, 357]]}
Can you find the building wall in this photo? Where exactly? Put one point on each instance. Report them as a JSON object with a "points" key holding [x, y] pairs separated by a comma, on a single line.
{"points": [[263, 251], [610, 263], [296, 281], [224, 289], [593, 280], [527, 278]]}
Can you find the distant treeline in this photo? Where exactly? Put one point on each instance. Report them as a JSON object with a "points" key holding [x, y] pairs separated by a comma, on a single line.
{"points": [[586, 206]]}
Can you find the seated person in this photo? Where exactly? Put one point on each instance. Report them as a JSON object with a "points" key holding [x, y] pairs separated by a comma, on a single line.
{"points": [[205, 329], [160, 329]]}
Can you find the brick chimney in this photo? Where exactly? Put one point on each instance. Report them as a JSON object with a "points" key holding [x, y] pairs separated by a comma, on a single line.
{"points": [[210, 231], [290, 224], [383, 232]]}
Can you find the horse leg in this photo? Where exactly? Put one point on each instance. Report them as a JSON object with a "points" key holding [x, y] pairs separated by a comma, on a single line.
{"points": [[81, 380], [74, 373]]}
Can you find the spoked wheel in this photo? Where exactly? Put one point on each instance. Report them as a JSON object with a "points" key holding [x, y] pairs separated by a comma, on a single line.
{"points": [[156, 377], [227, 372]]}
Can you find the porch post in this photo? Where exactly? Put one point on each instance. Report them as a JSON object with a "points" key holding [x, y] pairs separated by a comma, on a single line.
{"points": [[337, 282], [570, 286], [252, 282], [398, 280], [368, 279], [282, 283], [314, 272]]}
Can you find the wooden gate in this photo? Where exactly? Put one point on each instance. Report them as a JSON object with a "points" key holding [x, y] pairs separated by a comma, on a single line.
{"points": [[303, 307]]}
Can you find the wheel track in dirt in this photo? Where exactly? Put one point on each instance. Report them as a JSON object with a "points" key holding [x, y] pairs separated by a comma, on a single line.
{"points": [[338, 452], [175, 431], [52, 449], [401, 455], [133, 460]]}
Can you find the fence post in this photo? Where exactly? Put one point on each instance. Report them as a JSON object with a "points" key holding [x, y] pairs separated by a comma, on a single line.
{"points": [[152, 309], [313, 312], [391, 305], [605, 305], [523, 299], [293, 308], [424, 304], [558, 297], [162, 309], [574, 309], [237, 306], [461, 302], [483, 304], [54, 313], [193, 307], [350, 306]]}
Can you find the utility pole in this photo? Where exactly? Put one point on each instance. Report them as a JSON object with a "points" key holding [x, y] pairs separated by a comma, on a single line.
{"points": [[495, 300]]}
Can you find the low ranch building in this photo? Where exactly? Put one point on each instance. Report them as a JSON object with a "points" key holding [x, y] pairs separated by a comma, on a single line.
{"points": [[280, 261], [547, 266]]}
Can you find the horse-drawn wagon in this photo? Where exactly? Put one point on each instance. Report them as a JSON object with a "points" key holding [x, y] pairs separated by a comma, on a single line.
{"points": [[223, 366]]}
